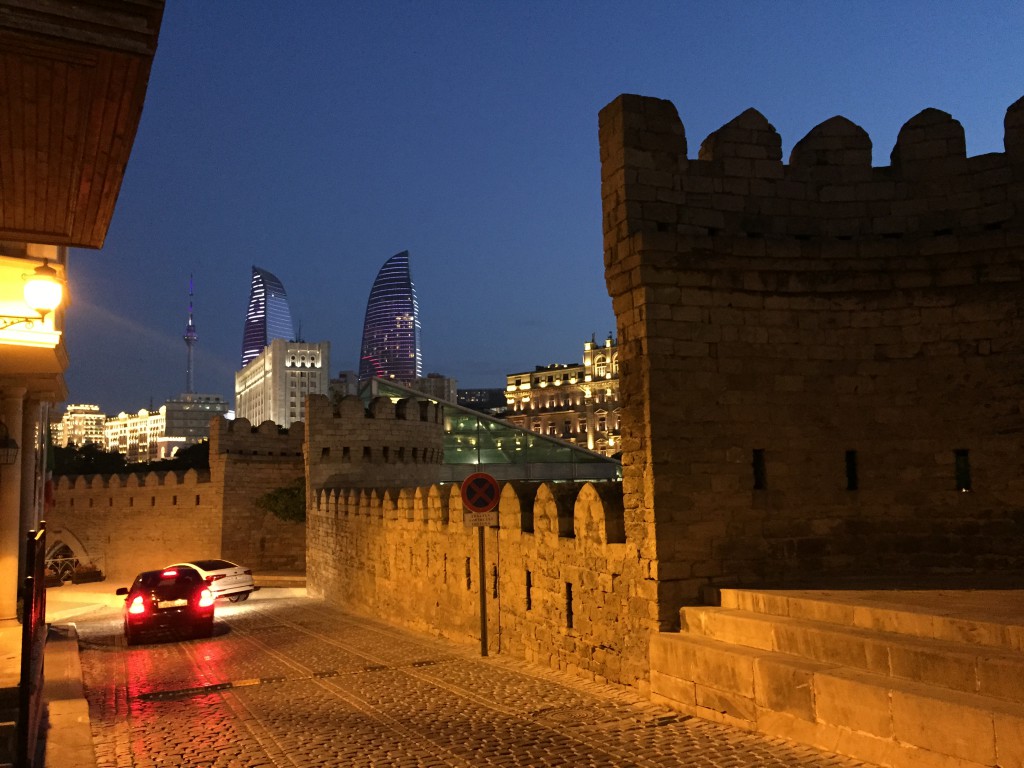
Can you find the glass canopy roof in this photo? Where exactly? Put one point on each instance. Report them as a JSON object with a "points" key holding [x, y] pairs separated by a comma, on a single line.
{"points": [[475, 442]]}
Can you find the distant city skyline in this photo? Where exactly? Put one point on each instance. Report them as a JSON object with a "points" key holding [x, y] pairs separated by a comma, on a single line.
{"points": [[467, 134]]}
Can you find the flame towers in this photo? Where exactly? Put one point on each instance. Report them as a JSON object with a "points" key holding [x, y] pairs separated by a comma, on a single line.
{"points": [[391, 330], [269, 317]]}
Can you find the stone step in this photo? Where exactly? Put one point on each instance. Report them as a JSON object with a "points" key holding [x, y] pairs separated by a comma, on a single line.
{"points": [[872, 717], [999, 622], [958, 666]]}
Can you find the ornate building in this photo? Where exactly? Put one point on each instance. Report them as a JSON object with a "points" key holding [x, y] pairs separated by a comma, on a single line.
{"points": [[577, 402], [152, 435], [81, 424]]}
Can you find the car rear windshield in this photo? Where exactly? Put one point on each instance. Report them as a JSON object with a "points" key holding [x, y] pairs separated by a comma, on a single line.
{"points": [[212, 565], [153, 579]]}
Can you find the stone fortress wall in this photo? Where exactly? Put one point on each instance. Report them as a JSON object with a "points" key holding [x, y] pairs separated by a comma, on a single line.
{"points": [[128, 523], [385, 539], [822, 362]]}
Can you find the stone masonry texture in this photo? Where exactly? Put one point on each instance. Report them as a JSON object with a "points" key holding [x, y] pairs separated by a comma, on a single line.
{"points": [[821, 361], [129, 523]]}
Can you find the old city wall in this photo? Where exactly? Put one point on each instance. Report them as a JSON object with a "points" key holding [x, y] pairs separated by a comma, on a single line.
{"points": [[130, 522], [562, 582], [387, 540], [821, 361], [245, 463]]}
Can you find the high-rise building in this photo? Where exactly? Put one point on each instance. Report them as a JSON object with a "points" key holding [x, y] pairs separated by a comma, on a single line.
{"points": [[274, 386], [391, 330], [269, 317]]}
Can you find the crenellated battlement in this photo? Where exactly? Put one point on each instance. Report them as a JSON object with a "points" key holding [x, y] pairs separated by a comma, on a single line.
{"points": [[239, 436], [350, 445], [815, 355], [559, 560], [739, 186], [171, 479]]}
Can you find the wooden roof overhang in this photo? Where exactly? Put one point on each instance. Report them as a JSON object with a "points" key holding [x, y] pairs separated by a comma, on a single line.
{"points": [[73, 79]]}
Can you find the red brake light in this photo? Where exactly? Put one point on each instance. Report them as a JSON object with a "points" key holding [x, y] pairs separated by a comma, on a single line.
{"points": [[212, 577], [137, 605], [205, 598], [170, 573]]}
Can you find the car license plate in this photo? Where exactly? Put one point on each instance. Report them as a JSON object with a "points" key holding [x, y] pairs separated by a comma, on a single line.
{"points": [[172, 603]]}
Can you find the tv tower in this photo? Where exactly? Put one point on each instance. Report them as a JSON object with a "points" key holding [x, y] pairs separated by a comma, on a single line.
{"points": [[190, 341]]}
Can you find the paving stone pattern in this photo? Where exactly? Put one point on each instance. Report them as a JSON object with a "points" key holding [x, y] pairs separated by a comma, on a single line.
{"points": [[287, 683]]}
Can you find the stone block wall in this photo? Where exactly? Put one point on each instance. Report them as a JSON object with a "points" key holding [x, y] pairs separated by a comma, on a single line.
{"points": [[129, 523], [563, 585], [246, 463], [821, 362], [386, 444]]}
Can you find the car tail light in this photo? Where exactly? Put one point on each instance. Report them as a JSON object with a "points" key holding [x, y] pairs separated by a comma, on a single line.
{"points": [[212, 577], [205, 598], [170, 573], [137, 605]]}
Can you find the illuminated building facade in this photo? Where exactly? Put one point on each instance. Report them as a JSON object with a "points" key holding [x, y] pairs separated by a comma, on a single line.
{"points": [[268, 317], [153, 435], [391, 329], [273, 386], [577, 402], [81, 424]]}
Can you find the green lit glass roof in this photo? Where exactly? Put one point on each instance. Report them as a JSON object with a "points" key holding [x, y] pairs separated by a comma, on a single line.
{"points": [[475, 442]]}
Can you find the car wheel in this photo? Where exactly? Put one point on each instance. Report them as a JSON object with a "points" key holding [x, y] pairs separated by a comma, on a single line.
{"points": [[130, 636], [236, 598], [244, 596]]}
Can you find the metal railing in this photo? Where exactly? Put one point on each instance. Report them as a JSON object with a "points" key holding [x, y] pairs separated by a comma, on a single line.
{"points": [[33, 644]]}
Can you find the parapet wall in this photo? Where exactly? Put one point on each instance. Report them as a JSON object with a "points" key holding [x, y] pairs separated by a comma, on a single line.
{"points": [[384, 444], [245, 464], [563, 586], [129, 523], [815, 357]]}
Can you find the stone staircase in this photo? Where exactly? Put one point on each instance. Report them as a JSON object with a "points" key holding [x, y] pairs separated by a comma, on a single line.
{"points": [[895, 678]]}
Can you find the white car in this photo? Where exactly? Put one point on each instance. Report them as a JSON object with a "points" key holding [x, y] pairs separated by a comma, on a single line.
{"points": [[225, 579]]}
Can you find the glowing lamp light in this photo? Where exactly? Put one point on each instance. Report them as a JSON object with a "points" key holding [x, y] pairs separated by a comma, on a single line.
{"points": [[43, 290]]}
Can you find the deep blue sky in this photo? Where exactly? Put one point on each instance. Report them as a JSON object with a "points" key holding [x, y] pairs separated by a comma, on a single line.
{"points": [[317, 139]]}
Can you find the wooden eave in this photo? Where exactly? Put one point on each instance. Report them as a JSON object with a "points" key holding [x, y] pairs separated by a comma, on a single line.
{"points": [[73, 79]]}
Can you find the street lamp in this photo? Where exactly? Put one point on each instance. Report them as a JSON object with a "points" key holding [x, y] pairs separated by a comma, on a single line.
{"points": [[43, 293]]}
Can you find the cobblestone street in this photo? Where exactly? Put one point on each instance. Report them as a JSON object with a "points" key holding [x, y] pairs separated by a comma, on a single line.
{"points": [[291, 682]]}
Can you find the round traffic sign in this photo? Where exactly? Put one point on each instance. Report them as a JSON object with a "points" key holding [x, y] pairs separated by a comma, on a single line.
{"points": [[480, 492]]}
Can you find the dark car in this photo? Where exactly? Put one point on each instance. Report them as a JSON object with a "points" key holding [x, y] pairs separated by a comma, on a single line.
{"points": [[170, 599]]}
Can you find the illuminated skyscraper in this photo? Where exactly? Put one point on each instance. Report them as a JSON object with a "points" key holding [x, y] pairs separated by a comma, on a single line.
{"points": [[391, 330], [269, 317]]}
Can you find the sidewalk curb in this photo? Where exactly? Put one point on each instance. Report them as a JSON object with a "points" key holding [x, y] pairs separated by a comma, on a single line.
{"points": [[68, 734]]}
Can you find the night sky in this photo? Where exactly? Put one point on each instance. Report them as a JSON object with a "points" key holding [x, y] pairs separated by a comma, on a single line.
{"points": [[317, 139]]}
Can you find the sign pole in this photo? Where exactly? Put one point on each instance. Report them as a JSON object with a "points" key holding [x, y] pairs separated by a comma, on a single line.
{"points": [[480, 493], [483, 591]]}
